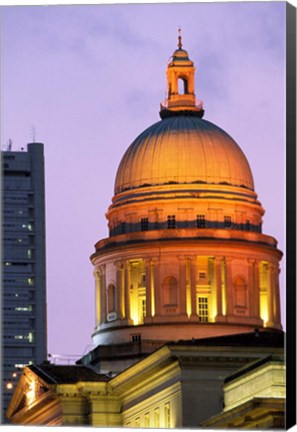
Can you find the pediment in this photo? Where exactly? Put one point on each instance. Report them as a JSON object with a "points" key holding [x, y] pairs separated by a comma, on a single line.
{"points": [[29, 390]]}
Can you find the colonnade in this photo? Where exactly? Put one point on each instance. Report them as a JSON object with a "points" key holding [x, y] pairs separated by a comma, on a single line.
{"points": [[221, 292]]}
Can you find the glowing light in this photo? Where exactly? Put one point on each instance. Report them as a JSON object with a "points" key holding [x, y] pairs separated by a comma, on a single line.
{"points": [[31, 393], [263, 307], [9, 385]]}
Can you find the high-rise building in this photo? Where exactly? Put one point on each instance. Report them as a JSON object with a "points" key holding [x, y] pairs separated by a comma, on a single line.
{"points": [[24, 330]]}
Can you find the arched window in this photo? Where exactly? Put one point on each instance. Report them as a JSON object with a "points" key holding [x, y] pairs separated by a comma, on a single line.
{"points": [[111, 298], [182, 86], [169, 289], [240, 291]]}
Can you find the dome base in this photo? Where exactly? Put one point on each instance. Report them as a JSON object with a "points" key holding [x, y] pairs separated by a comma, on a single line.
{"points": [[165, 112], [168, 332]]}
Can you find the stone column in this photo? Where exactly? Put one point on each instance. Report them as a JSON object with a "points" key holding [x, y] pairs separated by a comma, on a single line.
{"points": [[120, 291], [254, 291], [254, 288], [273, 297], [182, 286], [193, 280], [229, 288], [127, 290], [157, 287], [270, 294], [148, 289], [218, 282], [103, 292], [98, 311], [277, 298]]}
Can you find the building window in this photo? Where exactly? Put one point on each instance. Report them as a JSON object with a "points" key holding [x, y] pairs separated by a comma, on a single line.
{"points": [[227, 222], [203, 309], [136, 338], [144, 224], [123, 227], [143, 308], [200, 221], [248, 225], [137, 422], [167, 415], [171, 222]]}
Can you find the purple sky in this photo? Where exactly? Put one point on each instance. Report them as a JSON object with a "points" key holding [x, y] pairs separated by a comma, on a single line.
{"points": [[91, 78]]}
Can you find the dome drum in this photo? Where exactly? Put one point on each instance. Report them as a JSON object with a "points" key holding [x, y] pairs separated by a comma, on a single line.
{"points": [[167, 282]]}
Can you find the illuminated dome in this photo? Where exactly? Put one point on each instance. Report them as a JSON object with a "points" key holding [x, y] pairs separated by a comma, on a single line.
{"points": [[183, 149], [185, 256]]}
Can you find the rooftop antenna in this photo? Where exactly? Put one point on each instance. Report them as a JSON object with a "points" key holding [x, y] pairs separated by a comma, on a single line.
{"points": [[33, 133], [179, 38], [9, 145]]}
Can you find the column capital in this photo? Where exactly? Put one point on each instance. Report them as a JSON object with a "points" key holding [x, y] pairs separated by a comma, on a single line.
{"points": [[155, 260], [272, 267], [118, 263], [100, 269], [182, 258], [253, 261], [218, 259], [229, 259]]}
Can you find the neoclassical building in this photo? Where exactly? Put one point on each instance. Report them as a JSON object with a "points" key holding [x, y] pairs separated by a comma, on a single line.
{"points": [[188, 329], [186, 256]]}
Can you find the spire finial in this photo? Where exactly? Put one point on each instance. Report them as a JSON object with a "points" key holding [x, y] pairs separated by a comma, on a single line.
{"points": [[179, 38]]}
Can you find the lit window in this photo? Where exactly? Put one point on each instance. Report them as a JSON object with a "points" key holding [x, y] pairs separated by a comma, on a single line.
{"points": [[200, 221], [137, 422], [146, 420], [171, 223], [203, 309]]}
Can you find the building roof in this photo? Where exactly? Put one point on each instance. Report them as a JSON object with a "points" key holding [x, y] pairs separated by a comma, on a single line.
{"points": [[183, 149], [265, 338], [67, 374]]}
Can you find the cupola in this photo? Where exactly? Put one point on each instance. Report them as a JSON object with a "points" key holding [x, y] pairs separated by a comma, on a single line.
{"points": [[181, 85]]}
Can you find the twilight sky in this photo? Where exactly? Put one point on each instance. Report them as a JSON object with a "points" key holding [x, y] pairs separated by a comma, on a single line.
{"points": [[91, 78]]}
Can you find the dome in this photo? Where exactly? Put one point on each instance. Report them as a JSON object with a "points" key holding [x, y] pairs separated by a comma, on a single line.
{"points": [[183, 149]]}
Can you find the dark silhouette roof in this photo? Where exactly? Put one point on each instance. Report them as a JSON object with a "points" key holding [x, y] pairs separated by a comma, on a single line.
{"points": [[261, 338], [67, 374]]}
